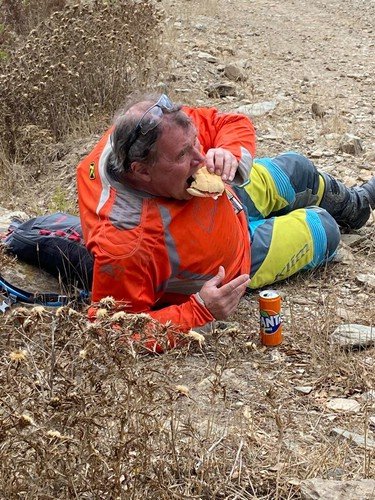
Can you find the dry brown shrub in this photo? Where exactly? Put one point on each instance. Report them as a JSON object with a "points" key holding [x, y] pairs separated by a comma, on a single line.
{"points": [[86, 416], [20, 16], [81, 61]]}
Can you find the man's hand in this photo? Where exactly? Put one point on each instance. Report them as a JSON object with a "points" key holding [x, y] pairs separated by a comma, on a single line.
{"points": [[222, 162], [222, 301]]}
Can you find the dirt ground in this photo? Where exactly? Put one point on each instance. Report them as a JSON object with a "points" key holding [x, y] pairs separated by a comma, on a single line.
{"points": [[236, 402]]}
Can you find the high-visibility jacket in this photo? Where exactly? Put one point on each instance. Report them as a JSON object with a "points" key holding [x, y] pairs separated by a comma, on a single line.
{"points": [[153, 253]]}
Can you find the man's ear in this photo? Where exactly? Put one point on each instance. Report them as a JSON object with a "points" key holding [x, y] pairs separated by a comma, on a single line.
{"points": [[140, 171]]}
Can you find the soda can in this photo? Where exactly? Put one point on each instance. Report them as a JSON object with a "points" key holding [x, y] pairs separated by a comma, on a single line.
{"points": [[270, 320]]}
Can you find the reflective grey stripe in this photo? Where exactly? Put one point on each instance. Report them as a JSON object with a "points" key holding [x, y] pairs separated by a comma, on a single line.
{"points": [[184, 287], [244, 167], [103, 175], [127, 210], [174, 258]]}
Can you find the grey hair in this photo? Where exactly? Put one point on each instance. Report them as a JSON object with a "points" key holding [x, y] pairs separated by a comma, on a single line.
{"points": [[144, 147]]}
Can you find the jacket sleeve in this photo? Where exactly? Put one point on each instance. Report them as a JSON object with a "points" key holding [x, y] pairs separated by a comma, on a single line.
{"points": [[130, 282], [232, 131]]}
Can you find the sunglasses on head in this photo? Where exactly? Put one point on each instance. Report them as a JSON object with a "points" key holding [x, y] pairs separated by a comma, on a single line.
{"points": [[149, 120], [153, 115]]}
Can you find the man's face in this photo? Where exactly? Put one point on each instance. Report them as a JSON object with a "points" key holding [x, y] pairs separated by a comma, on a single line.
{"points": [[178, 158]]}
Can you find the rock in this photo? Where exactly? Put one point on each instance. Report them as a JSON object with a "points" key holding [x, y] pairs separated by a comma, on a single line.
{"points": [[355, 438], [7, 216], [205, 56], [344, 254], [233, 72], [257, 109], [354, 335], [351, 144], [345, 405], [369, 396], [328, 489], [367, 279], [317, 153], [221, 90], [352, 239], [317, 110], [305, 389]]}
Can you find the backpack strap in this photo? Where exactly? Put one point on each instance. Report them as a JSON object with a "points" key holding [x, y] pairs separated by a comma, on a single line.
{"points": [[14, 294]]}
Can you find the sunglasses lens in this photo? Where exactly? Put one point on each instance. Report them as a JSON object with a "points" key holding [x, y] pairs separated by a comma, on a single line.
{"points": [[154, 115], [151, 119]]}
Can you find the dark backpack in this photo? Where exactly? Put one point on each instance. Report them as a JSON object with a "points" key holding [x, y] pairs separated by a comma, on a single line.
{"points": [[53, 243]]}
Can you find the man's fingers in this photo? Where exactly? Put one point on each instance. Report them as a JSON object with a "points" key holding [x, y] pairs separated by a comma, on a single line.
{"points": [[222, 162], [238, 283], [210, 160], [222, 300], [233, 169], [216, 280]]}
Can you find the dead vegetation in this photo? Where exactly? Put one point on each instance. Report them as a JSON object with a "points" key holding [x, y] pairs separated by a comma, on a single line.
{"points": [[85, 415], [75, 67]]}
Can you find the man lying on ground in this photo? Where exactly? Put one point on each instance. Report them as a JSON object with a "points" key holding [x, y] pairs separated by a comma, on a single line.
{"points": [[159, 248]]}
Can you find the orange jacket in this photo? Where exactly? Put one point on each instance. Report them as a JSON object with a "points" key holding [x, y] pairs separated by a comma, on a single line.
{"points": [[154, 253]]}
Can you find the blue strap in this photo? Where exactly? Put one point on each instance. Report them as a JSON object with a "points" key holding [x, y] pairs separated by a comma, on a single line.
{"points": [[14, 294]]}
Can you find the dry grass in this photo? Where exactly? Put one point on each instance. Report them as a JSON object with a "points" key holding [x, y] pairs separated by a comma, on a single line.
{"points": [[87, 415], [68, 74], [83, 415], [83, 58]]}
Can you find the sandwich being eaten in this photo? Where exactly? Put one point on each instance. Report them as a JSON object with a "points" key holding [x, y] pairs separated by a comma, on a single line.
{"points": [[206, 184]]}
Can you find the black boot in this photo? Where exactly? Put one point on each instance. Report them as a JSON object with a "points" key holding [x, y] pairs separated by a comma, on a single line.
{"points": [[350, 207]]}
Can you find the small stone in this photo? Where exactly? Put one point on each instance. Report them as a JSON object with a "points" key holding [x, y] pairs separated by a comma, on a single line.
{"points": [[344, 254], [345, 405], [205, 56], [329, 489], [368, 396], [305, 389], [355, 438], [354, 335], [367, 279], [233, 72], [318, 153], [336, 473], [351, 144], [301, 300], [346, 314], [257, 109], [200, 27], [221, 90]]}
